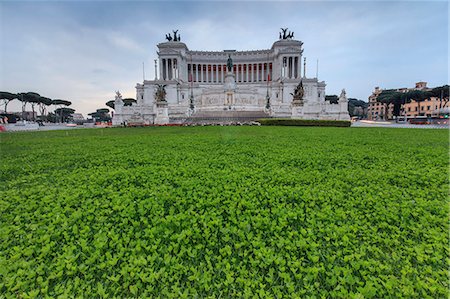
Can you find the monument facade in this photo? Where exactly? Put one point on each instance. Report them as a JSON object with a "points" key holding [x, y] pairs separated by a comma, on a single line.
{"points": [[225, 84]]}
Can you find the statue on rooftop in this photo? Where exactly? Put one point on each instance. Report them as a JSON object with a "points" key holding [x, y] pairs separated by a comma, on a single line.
{"points": [[284, 32], [118, 94], [169, 37], [175, 37], [229, 63]]}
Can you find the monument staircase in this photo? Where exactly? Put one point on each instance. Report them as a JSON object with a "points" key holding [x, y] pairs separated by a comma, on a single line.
{"points": [[225, 117]]}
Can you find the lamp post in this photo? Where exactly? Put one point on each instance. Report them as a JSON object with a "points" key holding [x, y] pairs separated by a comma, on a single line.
{"points": [[191, 79]]}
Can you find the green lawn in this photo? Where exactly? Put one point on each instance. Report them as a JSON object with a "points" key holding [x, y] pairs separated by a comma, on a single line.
{"points": [[225, 212]]}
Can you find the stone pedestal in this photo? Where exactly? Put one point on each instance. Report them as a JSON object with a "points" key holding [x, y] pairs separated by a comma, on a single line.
{"points": [[297, 111], [117, 119], [343, 106], [230, 88], [162, 113], [297, 102], [230, 82]]}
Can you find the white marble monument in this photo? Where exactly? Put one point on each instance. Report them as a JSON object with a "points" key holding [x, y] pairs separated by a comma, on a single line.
{"points": [[262, 82]]}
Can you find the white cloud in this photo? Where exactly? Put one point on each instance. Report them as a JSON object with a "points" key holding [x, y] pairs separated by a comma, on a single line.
{"points": [[74, 51], [124, 42]]}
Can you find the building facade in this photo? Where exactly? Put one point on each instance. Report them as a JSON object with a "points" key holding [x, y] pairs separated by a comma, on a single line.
{"points": [[199, 84], [429, 107]]}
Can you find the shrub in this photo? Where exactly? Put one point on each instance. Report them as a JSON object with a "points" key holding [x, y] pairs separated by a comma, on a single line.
{"points": [[303, 122]]}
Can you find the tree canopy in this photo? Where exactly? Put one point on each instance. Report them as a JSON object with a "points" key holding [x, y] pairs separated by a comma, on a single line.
{"points": [[357, 107], [7, 97], [59, 102], [126, 102], [45, 101], [418, 95], [101, 114], [110, 104], [333, 99], [4, 95], [28, 97], [65, 111], [103, 110], [391, 96]]}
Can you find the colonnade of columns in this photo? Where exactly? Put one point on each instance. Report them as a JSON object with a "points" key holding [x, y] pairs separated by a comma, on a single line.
{"points": [[244, 72], [169, 69], [291, 67]]}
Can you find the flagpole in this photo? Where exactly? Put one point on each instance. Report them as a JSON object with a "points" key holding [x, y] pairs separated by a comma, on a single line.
{"points": [[143, 72], [317, 70]]}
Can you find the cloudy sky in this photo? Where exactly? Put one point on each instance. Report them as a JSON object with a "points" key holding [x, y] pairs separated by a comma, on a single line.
{"points": [[83, 51]]}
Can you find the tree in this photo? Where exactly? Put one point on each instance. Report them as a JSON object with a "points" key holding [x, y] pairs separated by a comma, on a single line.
{"points": [[34, 100], [386, 97], [101, 115], [126, 102], [110, 104], [7, 97], [442, 93], [333, 99], [418, 96], [60, 103], [27, 97], [64, 113], [394, 97], [357, 107], [43, 103]]}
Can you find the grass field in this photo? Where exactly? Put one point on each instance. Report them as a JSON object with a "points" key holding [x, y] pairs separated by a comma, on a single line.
{"points": [[225, 212]]}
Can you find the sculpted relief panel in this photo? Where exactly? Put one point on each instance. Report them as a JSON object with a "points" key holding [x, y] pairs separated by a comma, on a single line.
{"points": [[211, 100], [248, 100]]}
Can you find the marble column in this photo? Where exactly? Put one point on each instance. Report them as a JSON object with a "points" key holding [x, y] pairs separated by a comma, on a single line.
{"points": [[262, 72], [295, 67], [196, 72], [201, 72], [211, 73], [265, 71], [257, 72], [167, 70], [252, 72], [217, 73]]}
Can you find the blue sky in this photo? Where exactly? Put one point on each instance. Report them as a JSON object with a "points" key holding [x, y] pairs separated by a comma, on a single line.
{"points": [[83, 51]]}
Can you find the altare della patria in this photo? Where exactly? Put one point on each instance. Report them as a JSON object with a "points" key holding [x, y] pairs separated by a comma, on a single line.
{"points": [[214, 86]]}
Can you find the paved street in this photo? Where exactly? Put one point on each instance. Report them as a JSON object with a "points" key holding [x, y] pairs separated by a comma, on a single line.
{"points": [[386, 124]]}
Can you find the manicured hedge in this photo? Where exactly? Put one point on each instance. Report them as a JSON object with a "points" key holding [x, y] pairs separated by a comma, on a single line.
{"points": [[303, 122]]}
